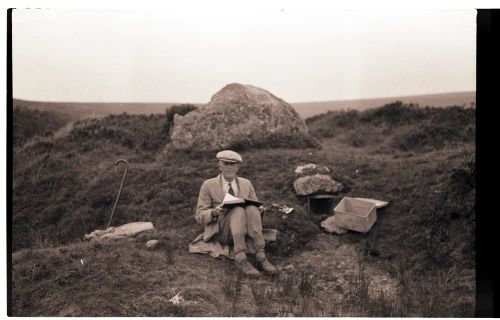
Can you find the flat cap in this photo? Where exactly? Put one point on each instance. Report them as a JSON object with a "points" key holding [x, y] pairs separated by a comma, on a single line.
{"points": [[229, 156]]}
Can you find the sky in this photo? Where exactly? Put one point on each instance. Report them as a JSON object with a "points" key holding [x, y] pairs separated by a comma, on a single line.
{"points": [[186, 54]]}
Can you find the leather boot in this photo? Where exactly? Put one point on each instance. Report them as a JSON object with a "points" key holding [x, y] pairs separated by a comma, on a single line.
{"points": [[267, 266], [248, 269]]}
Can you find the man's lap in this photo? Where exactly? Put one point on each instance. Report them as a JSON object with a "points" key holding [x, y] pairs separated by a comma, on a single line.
{"points": [[224, 236]]}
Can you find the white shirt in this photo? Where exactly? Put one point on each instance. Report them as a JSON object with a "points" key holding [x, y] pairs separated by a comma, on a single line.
{"points": [[225, 186]]}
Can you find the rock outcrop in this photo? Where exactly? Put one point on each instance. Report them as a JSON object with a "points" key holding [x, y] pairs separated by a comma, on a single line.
{"points": [[318, 183], [240, 116], [312, 179]]}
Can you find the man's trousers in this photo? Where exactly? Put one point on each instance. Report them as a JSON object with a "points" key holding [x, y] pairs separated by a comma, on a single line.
{"points": [[236, 224]]}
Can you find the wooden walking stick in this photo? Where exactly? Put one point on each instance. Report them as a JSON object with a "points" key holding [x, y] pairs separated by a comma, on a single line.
{"points": [[121, 186]]}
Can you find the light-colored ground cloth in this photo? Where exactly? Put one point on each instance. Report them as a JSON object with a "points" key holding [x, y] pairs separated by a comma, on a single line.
{"points": [[124, 231], [215, 249]]}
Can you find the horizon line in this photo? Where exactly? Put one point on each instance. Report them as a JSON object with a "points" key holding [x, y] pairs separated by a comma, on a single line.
{"points": [[295, 102]]}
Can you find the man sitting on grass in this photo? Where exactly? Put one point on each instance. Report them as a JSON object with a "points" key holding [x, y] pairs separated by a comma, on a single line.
{"points": [[232, 225]]}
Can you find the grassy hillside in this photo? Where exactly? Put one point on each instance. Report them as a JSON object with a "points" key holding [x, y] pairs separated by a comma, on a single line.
{"points": [[397, 127], [31, 122], [309, 109], [418, 259], [65, 185]]}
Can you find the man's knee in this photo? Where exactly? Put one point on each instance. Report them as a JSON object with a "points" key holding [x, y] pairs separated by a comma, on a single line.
{"points": [[237, 213], [253, 211], [254, 224], [238, 220], [253, 215]]}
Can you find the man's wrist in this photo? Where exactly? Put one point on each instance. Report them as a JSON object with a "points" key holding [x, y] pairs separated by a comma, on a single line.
{"points": [[215, 217]]}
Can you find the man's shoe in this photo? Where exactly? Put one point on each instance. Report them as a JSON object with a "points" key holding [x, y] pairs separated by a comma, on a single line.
{"points": [[267, 266], [248, 269]]}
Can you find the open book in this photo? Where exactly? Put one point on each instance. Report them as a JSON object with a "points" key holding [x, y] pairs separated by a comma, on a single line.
{"points": [[232, 201]]}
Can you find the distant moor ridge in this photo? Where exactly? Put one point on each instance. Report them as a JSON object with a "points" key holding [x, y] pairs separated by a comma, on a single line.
{"points": [[304, 109]]}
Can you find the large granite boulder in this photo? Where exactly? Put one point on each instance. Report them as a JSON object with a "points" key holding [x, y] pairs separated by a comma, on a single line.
{"points": [[239, 115]]}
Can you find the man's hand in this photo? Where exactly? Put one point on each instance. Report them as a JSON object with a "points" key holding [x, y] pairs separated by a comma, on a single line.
{"points": [[219, 210]]}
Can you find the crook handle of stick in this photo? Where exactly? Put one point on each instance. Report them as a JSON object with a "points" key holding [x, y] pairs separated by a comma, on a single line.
{"points": [[121, 186]]}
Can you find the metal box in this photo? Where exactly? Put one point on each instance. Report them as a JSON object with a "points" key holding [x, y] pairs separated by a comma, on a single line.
{"points": [[355, 214]]}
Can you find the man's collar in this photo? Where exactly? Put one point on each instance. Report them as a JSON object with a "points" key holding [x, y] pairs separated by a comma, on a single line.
{"points": [[222, 179]]}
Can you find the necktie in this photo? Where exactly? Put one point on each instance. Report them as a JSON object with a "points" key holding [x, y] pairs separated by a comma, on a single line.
{"points": [[231, 191]]}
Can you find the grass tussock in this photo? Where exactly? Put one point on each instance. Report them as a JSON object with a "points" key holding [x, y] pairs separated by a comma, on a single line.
{"points": [[414, 298]]}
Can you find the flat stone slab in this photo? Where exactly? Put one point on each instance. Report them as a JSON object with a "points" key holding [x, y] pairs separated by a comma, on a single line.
{"points": [[310, 169], [124, 231]]}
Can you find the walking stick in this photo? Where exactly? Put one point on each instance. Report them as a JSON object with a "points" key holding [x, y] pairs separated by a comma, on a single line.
{"points": [[121, 186]]}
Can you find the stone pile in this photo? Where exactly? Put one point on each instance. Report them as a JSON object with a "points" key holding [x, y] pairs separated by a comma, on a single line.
{"points": [[315, 179]]}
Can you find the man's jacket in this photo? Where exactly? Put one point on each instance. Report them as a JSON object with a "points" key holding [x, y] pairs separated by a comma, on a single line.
{"points": [[211, 195]]}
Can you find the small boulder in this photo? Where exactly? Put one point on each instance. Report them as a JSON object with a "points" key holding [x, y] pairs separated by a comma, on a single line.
{"points": [[177, 300], [289, 268], [270, 234], [330, 226], [151, 244], [317, 183], [310, 169]]}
